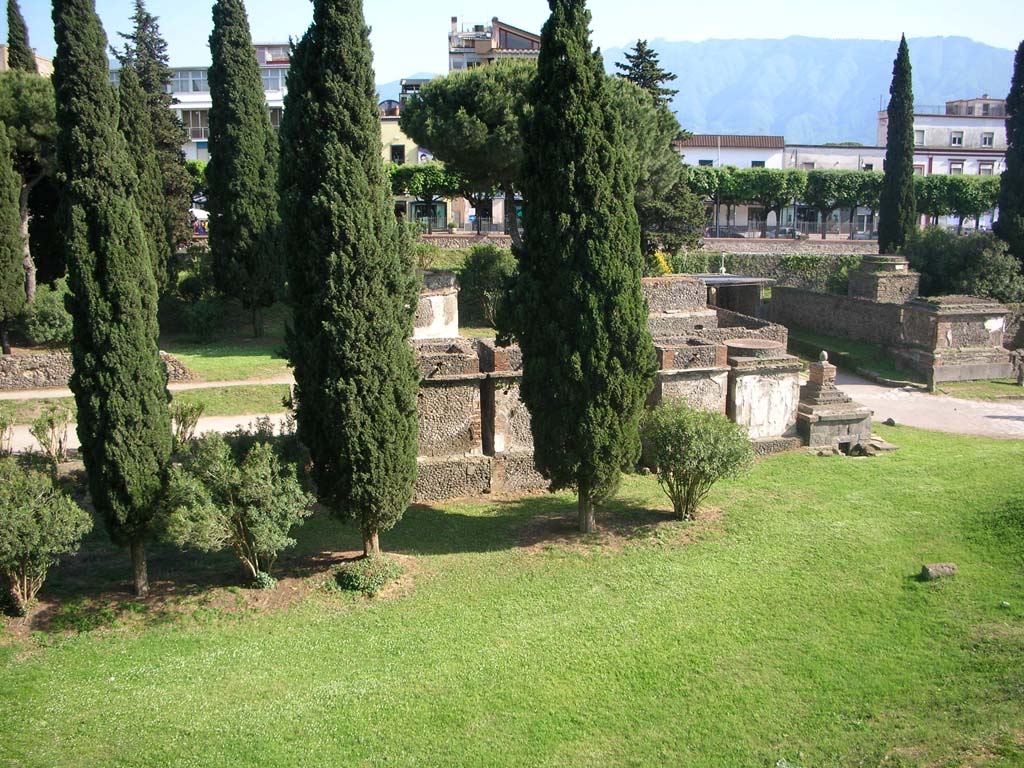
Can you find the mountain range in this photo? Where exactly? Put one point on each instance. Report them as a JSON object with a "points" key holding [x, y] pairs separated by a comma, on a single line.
{"points": [[810, 90]]}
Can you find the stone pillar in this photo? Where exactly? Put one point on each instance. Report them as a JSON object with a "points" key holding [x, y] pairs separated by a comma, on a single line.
{"points": [[884, 279], [827, 417], [437, 313], [764, 392]]}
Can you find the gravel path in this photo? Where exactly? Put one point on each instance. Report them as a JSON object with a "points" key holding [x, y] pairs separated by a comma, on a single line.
{"points": [[914, 408], [180, 386]]}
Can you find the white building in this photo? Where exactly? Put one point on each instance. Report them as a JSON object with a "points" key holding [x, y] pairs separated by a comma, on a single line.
{"points": [[482, 44], [739, 151]]}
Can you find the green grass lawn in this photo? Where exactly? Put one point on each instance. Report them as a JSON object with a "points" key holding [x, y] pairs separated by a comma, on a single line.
{"points": [[217, 401], [849, 354], [234, 359], [995, 390], [788, 625]]}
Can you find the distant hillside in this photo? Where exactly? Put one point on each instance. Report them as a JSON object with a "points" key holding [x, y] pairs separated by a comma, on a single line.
{"points": [[814, 90]]}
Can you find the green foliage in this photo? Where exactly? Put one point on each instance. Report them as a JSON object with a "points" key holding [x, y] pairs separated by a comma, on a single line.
{"points": [[251, 505], [352, 285], [368, 575], [38, 524], [184, 420], [830, 190], [642, 69], [484, 280], [241, 176], [119, 380], [771, 188], [19, 52], [47, 322], [197, 173], [977, 264], [576, 306], [12, 274], [145, 51], [50, 430], [897, 210], [691, 262], [691, 450], [428, 182], [1010, 225], [204, 319], [134, 122], [838, 279]]}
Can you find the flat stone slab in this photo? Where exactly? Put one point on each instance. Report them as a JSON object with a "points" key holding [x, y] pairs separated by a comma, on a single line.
{"points": [[755, 348], [937, 571]]}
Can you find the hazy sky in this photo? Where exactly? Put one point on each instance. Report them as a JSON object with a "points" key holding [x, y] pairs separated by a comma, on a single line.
{"points": [[410, 36]]}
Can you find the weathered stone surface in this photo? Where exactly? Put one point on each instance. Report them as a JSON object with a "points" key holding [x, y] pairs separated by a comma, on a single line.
{"points": [[47, 370], [674, 294], [447, 357], [937, 571], [451, 477], [680, 354], [884, 279], [826, 416], [437, 313], [662, 325], [764, 395], [450, 417], [837, 315], [703, 388]]}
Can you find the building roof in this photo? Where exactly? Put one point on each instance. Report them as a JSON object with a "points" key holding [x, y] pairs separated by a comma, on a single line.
{"points": [[732, 141]]}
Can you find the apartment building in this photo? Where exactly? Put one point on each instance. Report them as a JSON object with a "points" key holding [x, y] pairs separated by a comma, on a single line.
{"points": [[739, 151], [45, 66], [482, 44]]}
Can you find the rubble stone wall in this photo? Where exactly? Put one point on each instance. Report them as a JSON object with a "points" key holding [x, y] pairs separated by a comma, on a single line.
{"points": [[837, 315], [47, 370]]}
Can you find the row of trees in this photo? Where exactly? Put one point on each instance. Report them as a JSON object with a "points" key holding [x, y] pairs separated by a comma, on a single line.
{"points": [[967, 197]]}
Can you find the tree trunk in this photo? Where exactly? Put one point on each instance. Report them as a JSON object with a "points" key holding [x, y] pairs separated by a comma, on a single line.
{"points": [[5, 343], [257, 321], [371, 542], [26, 251], [511, 220], [139, 572], [585, 507]]}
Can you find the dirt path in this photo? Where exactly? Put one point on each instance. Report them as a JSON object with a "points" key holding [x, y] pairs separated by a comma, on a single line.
{"points": [[180, 386], [914, 408]]}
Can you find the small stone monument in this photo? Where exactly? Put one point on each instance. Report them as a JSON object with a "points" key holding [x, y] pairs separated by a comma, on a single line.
{"points": [[826, 416], [884, 280]]}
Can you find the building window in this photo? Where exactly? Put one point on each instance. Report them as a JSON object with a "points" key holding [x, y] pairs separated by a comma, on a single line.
{"points": [[988, 139], [807, 166], [919, 138], [757, 163], [275, 118], [919, 170], [196, 123], [984, 169], [956, 167], [956, 138], [398, 154], [869, 166], [705, 163], [437, 218], [189, 81], [274, 78]]}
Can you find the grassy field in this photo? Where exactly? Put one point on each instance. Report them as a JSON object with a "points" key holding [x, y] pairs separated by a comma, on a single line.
{"points": [[1005, 390], [217, 401], [786, 625]]}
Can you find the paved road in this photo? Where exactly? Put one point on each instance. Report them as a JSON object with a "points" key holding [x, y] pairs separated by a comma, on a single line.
{"points": [[914, 408]]}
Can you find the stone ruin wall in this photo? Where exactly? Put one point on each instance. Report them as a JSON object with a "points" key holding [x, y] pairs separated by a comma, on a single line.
{"points": [[49, 370]]}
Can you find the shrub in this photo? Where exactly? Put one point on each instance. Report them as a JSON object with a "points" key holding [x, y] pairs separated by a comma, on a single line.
{"points": [[204, 319], [838, 280], [368, 575], [50, 429], [6, 430], [184, 420], [483, 280], [38, 523], [690, 262], [977, 264], [216, 500], [691, 450], [426, 255], [191, 288], [47, 321], [656, 265]]}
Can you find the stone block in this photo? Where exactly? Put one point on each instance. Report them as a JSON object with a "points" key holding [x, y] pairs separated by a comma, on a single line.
{"points": [[437, 312], [674, 293], [703, 388], [450, 417], [451, 477], [937, 571], [764, 395]]}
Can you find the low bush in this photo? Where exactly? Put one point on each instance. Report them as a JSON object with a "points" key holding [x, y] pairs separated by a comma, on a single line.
{"points": [[204, 319], [6, 429], [251, 504], [50, 430], [184, 420], [690, 262], [483, 280], [691, 450], [976, 264], [47, 322], [38, 524], [368, 575], [426, 255]]}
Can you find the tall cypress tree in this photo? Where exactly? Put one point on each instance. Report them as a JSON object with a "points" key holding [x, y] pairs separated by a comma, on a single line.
{"points": [[351, 278], [146, 50], [134, 122], [242, 173], [119, 381], [19, 52], [897, 211], [642, 68], [1010, 225], [12, 276], [577, 307]]}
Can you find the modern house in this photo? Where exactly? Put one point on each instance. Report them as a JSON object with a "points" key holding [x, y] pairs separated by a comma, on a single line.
{"points": [[45, 66], [481, 44], [739, 151]]}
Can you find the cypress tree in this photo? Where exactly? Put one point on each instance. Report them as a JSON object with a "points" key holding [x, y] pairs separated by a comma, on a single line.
{"points": [[12, 275], [134, 122], [242, 173], [146, 50], [19, 52], [1010, 225], [897, 212], [642, 68], [577, 308], [351, 280], [119, 382]]}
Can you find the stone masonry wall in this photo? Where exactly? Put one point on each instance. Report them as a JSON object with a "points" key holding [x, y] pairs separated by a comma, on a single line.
{"points": [[837, 315], [1013, 337], [46, 370]]}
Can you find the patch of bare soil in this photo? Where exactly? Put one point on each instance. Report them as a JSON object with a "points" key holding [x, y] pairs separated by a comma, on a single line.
{"points": [[619, 528]]}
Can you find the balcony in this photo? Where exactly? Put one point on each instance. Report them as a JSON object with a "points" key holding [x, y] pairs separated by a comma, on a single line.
{"points": [[961, 110]]}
